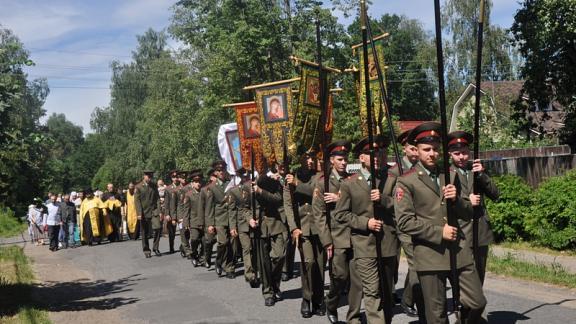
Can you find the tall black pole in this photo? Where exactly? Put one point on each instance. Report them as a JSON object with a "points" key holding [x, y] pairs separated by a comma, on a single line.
{"points": [[324, 117], [385, 98], [383, 283], [477, 209], [452, 221]]}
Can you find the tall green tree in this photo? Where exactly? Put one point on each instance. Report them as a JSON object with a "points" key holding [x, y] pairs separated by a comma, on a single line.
{"points": [[460, 22], [545, 33], [21, 136]]}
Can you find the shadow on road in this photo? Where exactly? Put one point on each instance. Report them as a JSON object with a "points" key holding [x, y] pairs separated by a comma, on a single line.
{"points": [[74, 295]]}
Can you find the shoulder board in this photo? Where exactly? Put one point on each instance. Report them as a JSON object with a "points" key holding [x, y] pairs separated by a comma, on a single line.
{"points": [[409, 172], [355, 176]]}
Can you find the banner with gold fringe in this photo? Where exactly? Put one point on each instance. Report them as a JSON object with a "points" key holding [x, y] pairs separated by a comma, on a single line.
{"points": [[249, 132], [274, 104], [377, 97]]}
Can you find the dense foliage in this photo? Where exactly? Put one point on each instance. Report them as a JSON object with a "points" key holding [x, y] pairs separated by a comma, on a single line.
{"points": [[545, 216], [545, 33]]}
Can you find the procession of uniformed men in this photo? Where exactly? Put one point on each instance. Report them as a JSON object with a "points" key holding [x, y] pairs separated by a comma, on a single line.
{"points": [[336, 232]]}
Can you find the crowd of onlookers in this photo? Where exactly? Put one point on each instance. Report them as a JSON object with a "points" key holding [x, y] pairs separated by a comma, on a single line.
{"points": [[56, 219]]}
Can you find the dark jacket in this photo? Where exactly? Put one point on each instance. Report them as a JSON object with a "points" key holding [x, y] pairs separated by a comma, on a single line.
{"points": [[67, 211]]}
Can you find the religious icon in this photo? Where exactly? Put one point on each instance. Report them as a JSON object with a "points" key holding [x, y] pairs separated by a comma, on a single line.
{"points": [[234, 146], [275, 109], [372, 71], [313, 91], [252, 125]]}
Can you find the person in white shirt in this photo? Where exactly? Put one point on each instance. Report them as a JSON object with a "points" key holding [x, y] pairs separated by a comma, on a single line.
{"points": [[53, 221]]}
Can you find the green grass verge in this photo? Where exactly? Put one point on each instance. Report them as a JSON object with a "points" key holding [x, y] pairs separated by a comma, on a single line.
{"points": [[9, 224], [510, 266], [16, 279], [528, 246]]}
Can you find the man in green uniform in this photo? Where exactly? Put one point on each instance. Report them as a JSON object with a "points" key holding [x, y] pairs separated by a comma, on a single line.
{"points": [[420, 206], [215, 211], [459, 148], [146, 201], [171, 198], [196, 222], [272, 241], [298, 193], [183, 213], [357, 207], [241, 213], [335, 237], [412, 294]]}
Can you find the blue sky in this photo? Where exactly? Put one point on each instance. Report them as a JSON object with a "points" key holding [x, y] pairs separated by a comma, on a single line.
{"points": [[73, 42]]}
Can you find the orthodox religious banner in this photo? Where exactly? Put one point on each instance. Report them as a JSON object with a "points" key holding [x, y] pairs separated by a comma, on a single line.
{"points": [[306, 131], [249, 132], [229, 146], [377, 98], [274, 104]]}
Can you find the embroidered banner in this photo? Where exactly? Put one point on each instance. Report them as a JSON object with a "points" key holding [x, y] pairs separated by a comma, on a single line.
{"points": [[274, 104], [379, 105], [307, 132], [249, 131]]}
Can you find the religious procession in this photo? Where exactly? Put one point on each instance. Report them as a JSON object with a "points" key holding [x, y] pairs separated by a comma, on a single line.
{"points": [[284, 187]]}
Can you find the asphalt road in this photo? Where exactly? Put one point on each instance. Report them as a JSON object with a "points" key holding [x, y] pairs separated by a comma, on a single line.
{"points": [[116, 284]]}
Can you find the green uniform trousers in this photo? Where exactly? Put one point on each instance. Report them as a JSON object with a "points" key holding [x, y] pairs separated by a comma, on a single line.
{"points": [[368, 272], [246, 244], [344, 271], [274, 248], [434, 290], [196, 243], [185, 241], [224, 249], [312, 273], [209, 240], [412, 288]]}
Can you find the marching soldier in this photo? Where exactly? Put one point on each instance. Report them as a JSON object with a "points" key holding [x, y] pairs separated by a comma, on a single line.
{"points": [[357, 207], [183, 213], [196, 222], [459, 148], [298, 208], [241, 214], [412, 294], [215, 211], [272, 241], [420, 204], [171, 198], [335, 237], [146, 200]]}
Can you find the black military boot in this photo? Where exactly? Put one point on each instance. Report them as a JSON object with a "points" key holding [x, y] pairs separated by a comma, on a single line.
{"points": [[305, 309]]}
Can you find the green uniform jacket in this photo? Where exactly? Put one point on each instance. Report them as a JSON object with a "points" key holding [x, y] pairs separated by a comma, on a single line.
{"points": [[193, 199], [302, 198], [270, 209], [240, 210], [393, 174], [214, 203], [171, 200], [146, 200], [183, 206], [355, 209], [486, 188], [421, 213], [330, 231]]}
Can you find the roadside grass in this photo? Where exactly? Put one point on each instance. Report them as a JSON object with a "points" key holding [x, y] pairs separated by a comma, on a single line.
{"points": [[528, 246], [16, 278], [511, 266], [9, 224]]}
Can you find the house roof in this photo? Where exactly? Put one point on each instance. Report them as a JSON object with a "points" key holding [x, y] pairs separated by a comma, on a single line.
{"points": [[503, 93], [405, 125]]}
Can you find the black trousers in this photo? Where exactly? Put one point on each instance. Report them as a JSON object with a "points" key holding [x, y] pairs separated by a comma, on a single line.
{"points": [[171, 234], [53, 231], [116, 221]]}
